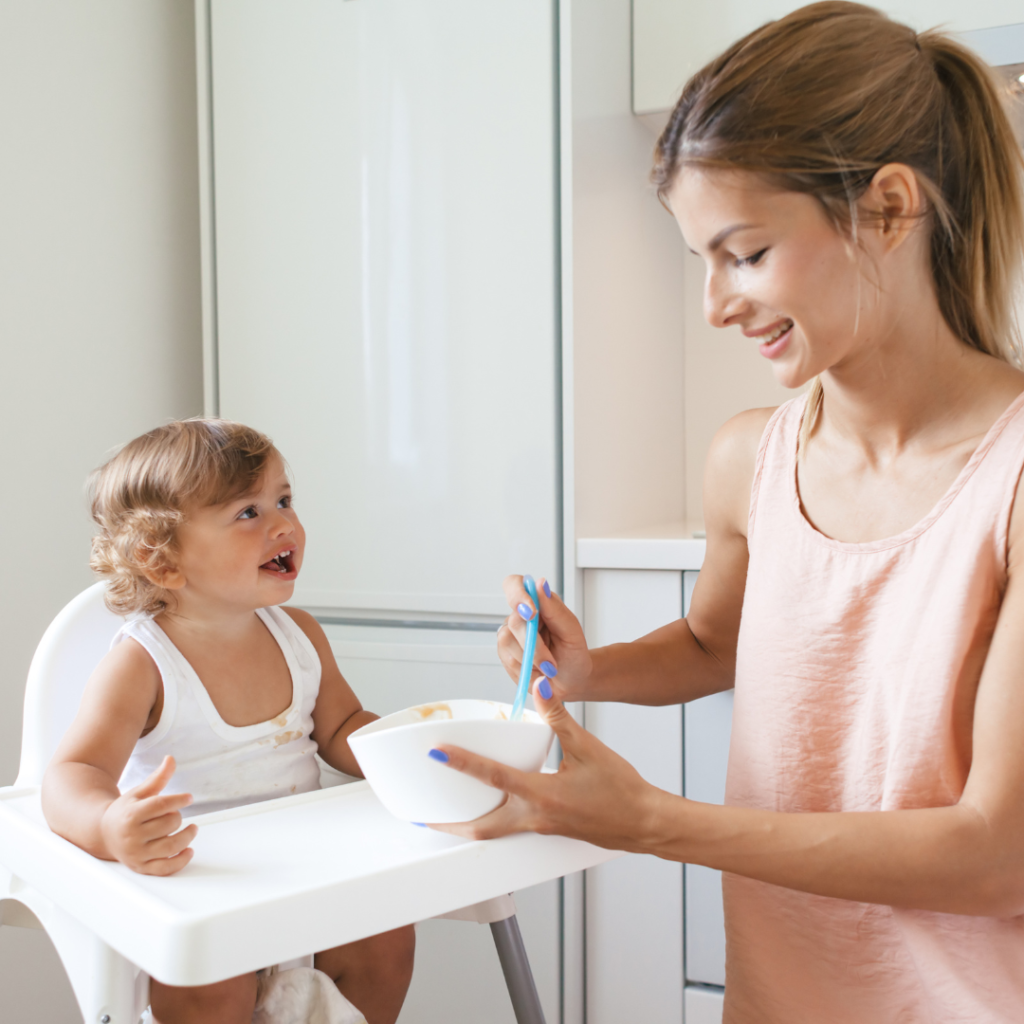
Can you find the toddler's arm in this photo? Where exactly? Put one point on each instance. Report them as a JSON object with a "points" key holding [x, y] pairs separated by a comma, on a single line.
{"points": [[80, 797], [337, 713]]}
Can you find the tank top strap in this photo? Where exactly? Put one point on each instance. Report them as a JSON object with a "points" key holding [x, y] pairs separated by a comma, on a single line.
{"points": [[298, 649], [166, 657], [993, 472], [776, 454]]}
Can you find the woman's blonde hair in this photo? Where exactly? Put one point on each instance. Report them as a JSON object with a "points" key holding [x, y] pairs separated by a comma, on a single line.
{"points": [[141, 496], [819, 100]]}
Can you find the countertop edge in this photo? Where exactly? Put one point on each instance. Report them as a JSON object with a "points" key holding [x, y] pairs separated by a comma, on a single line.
{"points": [[665, 553]]}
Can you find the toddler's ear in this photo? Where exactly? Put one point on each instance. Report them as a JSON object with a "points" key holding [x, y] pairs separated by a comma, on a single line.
{"points": [[167, 577]]}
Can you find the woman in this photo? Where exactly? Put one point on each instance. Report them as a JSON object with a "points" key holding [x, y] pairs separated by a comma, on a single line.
{"points": [[855, 192]]}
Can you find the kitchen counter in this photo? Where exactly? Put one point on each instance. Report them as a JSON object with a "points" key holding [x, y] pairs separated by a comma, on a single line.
{"points": [[673, 546]]}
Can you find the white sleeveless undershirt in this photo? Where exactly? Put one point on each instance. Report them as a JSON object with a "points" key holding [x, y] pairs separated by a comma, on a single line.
{"points": [[225, 765]]}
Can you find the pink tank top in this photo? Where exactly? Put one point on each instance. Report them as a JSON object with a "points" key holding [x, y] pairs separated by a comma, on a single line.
{"points": [[856, 675]]}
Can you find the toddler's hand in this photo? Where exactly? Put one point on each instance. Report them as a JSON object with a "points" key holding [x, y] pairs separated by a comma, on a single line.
{"points": [[140, 828]]}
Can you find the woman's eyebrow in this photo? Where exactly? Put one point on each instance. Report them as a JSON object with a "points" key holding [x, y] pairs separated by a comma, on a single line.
{"points": [[725, 233]]}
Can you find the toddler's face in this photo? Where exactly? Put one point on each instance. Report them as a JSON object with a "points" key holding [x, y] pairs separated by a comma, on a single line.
{"points": [[247, 552]]}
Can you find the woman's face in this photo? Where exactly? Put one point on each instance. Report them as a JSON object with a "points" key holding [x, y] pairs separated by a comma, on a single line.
{"points": [[778, 269]]}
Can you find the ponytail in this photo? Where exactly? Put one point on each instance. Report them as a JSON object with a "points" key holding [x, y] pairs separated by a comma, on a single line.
{"points": [[977, 235]]}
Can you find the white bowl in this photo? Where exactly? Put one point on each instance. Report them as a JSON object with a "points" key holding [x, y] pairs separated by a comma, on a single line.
{"points": [[393, 755]]}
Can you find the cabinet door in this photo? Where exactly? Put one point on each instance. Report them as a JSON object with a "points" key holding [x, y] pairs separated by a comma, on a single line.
{"points": [[672, 39], [708, 723], [385, 188], [634, 934]]}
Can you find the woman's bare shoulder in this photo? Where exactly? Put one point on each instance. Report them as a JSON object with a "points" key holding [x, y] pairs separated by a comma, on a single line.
{"points": [[729, 472], [740, 437]]}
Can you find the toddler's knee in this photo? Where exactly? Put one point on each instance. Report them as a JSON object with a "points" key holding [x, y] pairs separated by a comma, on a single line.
{"points": [[401, 947], [224, 1002]]}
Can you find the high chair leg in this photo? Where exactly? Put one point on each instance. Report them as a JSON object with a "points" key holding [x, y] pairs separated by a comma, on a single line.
{"points": [[109, 989], [522, 989]]}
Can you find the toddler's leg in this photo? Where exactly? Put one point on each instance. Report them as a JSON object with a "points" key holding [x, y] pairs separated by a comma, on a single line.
{"points": [[373, 974], [225, 1002]]}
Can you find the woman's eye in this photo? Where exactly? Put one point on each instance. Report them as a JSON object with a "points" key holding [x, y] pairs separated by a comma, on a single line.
{"points": [[285, 501], [248, 513], [750, 261]]}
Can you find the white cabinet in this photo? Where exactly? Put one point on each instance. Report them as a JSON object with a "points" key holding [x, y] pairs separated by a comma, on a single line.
{"points": [[655, 937], [672, 39], [385, 205], [708, 724], [634, 905]]}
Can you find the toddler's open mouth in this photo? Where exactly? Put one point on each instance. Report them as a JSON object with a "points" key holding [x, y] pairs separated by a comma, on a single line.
{"points": [[282, 564]]}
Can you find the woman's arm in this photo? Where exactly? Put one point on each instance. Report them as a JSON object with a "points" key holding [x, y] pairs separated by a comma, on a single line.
{"points": [[337, 713], [962, 859], [686, 659], [80, 797]]}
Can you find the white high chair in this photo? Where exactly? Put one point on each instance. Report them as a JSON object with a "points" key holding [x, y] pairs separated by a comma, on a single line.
{"points": [[103, 920]]}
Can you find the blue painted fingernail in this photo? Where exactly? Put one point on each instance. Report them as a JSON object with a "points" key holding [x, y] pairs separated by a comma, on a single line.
{"points": [[546, 589], [544, 688], [418, 824], [548, 669], [525, 611], [438, 755]]}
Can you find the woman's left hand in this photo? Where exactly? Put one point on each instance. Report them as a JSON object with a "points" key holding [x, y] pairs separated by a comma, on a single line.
{"points": [[595, 795]]}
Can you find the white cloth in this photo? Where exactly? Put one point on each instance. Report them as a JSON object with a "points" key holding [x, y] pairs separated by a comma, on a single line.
{"points": [[224, 765], [302, 995]]}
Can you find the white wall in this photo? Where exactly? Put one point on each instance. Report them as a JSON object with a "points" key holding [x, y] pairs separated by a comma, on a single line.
{"points": [[99, 315], [626, 290]]}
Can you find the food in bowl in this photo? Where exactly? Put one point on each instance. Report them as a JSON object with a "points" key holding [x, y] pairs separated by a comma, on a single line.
{"points": [[393, 755]]}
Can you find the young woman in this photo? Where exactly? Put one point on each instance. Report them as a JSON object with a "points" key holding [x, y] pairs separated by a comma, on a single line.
{"points": [[855, 191]]}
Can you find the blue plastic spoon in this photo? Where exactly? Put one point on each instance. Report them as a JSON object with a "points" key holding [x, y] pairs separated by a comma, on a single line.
{"points": [[528, 651]]}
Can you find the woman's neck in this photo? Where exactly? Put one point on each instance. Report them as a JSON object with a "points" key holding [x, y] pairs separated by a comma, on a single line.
{"points": [[918, 384]]}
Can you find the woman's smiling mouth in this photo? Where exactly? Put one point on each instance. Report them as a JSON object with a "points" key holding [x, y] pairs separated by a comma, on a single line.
{"points": [[774, 340]]}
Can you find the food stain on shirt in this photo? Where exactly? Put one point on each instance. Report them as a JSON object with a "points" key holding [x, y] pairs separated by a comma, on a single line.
{"points": [[286, 737]]}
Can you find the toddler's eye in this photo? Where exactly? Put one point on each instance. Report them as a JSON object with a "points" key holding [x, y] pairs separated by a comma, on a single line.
{"points": [[750, 261], [248, 513], [285, 501]]}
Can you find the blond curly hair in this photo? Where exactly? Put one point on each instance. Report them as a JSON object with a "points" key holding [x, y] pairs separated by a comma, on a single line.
{"points": [[141, 496]]}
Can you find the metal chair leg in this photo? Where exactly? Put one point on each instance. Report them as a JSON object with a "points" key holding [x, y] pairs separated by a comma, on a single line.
{"points": [[516, 967]]}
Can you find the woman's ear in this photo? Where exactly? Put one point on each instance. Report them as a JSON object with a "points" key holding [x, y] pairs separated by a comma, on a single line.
{"points": [[894, 204]]}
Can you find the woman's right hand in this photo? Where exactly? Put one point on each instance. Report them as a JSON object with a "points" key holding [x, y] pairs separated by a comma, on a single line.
{"points": [[561, 654], [142, 828]]}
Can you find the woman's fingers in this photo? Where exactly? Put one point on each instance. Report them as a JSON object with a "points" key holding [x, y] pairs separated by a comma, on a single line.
{"points": [[571, 735], [595, 795], [512, 815], [512, 638], [492, 773]]}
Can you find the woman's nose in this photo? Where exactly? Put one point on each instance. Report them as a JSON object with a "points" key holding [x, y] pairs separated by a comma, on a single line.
{"points": [[722, 302]]}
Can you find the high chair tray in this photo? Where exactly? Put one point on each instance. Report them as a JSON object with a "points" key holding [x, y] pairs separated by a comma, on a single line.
{"points": [[277, 880]]}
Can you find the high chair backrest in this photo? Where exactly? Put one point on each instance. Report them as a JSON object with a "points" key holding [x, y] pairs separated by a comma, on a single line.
{"points": [[72, 646]]}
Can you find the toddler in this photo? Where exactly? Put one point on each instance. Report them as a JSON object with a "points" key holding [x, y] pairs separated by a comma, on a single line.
{"points": [[212, 695]]}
